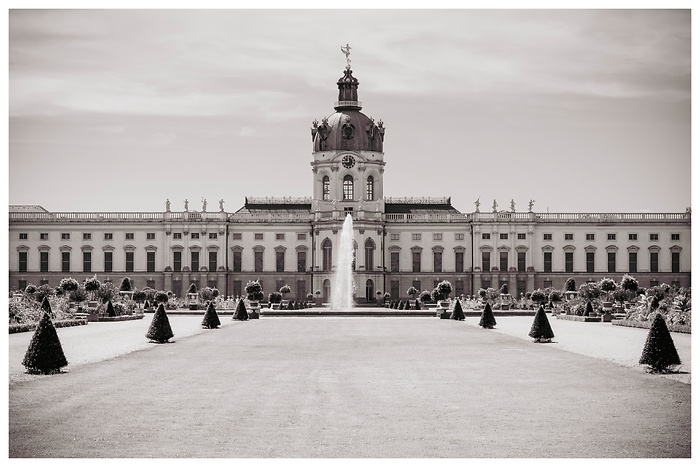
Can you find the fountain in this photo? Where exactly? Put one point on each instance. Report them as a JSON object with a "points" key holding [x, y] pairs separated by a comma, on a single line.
{"points": [[341, 294]]}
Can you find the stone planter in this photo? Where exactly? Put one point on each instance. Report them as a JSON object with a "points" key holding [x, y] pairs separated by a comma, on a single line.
{"points": [[284, 304], [444, 304], [275, 306], [607, 317], [443, 314]]}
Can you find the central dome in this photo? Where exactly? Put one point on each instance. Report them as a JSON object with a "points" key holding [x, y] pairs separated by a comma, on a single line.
{"points": [[348, 129]]}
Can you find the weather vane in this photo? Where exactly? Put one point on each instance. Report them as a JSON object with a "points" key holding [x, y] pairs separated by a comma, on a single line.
{"points": [[346, 50]]}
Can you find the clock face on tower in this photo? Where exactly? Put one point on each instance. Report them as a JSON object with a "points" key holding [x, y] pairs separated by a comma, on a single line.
{"points": [[348, 161]]}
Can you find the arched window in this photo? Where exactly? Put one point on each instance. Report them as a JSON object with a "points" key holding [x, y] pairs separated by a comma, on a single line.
{"points": [[369, 254], [326, 188], [348, 187], [370, 188], [327, 254]]}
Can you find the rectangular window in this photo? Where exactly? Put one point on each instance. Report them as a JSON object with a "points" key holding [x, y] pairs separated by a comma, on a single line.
{"points": [[675, 261], [612, 236], [65, 236], [395, 290], [394, 237], [22, 284], [213, 236], [129, 236], [486, 236], [108, 236], [87, 261], [65, 261], [150, 235], [177, 235], [654, 237], [237, 261], [238, 236], [522, 236], [521, 261], [437, 236], [653, 283], [237, 288], [547, 236], [520, 287], [22, 261], [485, 260], [653, 262], [279, 261], [632, 261], [459, 236], [546, 283], [129, 261], [23, 236], [279, 236], [676, 284], [437, 261], [612, 256], [590, 237], [568, 236], [415, 236], [569, 261], [301, 261], [590, 261], [259, 236], [87, 236], [485, 283], [632, 237], [301, 236], [194, 261], [108, 261], [150, 261], [459, 288], [43, 236], [213, 263], [459, 261], [394, 261], [504, 236], [547, 261], [194, 235], [44, 261], [675, 237], [416, 261], [177, 261], [503, 261], [258, 258]]}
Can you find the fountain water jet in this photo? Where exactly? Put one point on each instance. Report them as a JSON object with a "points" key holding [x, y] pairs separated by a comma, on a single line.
{"points": [[341, 294]]}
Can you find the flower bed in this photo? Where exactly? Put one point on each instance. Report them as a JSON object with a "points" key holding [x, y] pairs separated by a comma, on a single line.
{"points": [[63, 323], [684, 328], [121, 317]]}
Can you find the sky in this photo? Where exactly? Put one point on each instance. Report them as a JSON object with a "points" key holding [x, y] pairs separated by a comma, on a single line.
{"points": [[580, 110]]}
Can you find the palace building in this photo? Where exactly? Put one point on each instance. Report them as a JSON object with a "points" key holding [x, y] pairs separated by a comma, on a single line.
{"points": [[399, 242]]}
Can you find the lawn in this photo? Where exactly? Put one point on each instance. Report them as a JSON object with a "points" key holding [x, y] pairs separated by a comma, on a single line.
{"points": [[350, 387]]}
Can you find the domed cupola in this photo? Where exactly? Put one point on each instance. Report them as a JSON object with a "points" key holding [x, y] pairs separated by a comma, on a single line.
{"points": [[348, 129]]}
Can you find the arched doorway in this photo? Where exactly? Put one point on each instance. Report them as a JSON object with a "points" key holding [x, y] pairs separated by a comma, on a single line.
{"points": [[369, 290], [326, 291]]}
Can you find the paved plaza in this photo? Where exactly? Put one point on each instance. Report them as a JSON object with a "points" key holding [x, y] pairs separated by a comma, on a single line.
{"points": [[350, 387]]}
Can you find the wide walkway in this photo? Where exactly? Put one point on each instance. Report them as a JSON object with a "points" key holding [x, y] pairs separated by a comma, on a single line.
{"points": [[342, 387]]}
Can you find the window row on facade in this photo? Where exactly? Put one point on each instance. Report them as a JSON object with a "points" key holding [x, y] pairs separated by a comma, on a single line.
{"points": [[416, 237], [348, 188]]}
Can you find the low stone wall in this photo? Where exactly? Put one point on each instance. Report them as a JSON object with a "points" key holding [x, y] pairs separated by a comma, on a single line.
{"points": [[120, 317], [64, 323], [647, 324], [585, 319]]}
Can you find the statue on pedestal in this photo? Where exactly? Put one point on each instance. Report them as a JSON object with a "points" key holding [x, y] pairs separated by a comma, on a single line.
{"points": [[167, 205], [186, 205]]}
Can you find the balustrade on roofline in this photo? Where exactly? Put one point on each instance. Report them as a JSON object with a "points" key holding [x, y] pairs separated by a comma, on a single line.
{"points": [[582, 217], [48, 217]]}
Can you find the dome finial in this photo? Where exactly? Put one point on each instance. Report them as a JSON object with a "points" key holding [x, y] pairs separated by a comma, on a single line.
{"points": [[346, 50]]}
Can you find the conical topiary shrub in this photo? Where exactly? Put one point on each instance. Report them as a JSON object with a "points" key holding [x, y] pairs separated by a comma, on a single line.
{"points": [[160, 330], [46, 306], [241, 313], [589, 309], [457, 312], [659, 351], [44, 354], [110, 309], [488, 320], [541, 331], [211, 318]]}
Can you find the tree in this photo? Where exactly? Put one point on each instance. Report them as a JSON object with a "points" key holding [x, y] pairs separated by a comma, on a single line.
{"points": [[214, 292], [139, 296], [607, 286], [541, 331], [445, 289], [589, 309], [92, 285], [538, 296], [555, 296], [42, 291], [589, 291], [659, 351], [193, 288], [110, 309], [504, 289], [570, 285], [457, 312], [412, 291], [126, 285], [241, 313], [107, 291], [488, 320], [629, 284], [285, 289], [274, 297], [211, 318], [160, 297], [206, 294], [424, 296], [44, 354], [30, 289], [255, 292], [68, 284], [160, 330]]}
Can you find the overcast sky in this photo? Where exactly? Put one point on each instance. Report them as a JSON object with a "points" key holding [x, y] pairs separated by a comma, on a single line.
{"points": [[580, 110]]}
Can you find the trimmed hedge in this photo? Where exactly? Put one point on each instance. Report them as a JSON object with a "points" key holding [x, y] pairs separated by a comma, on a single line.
{"points": [[64, 323], [684, 328]]}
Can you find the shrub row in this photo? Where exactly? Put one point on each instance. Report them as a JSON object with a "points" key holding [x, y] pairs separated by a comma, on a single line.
{"points": [[64, 323], [647, 325]]}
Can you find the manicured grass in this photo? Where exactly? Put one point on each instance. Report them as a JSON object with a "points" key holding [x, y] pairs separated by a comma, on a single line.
{"points": [[350, 387]]}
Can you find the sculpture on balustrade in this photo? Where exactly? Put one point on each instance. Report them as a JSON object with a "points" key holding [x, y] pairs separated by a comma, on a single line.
{"points": [[495, 206], [512, 205], [530, 204], [204, 205], [187, 203], [221, 205], [167, 205], [477, 203]]}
